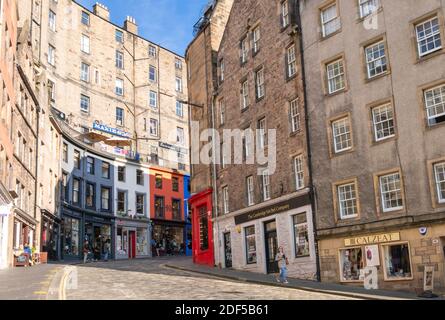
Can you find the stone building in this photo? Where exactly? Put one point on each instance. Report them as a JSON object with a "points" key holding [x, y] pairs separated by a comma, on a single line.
{"points": [[262, 204], [8, 45], [105, 76], [201, 57], [376, 104]]}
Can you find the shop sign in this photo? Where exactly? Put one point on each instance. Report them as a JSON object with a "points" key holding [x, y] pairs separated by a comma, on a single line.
{"points": [[372, 256], [113, 131], [372, 239], [172, 147], [371, 278], [273, 209]]}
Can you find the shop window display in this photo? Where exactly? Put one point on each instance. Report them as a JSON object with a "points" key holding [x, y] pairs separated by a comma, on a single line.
{"points": [[142, 243], [71, 238], [397, 261], [121, 242], [351, 262], [251, 245], [301, 236]]}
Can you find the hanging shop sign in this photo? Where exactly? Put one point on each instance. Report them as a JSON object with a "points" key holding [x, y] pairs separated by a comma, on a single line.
{"points": [[112, 131], [373, 239], [277, 208]]}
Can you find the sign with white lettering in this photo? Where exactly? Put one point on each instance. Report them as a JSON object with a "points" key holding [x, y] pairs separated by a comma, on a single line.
{"points": [[373, 239], [172, 147], [113, 131]]}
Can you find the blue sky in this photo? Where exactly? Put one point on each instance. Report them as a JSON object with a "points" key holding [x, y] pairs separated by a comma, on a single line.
{"points": [[168, 23]]}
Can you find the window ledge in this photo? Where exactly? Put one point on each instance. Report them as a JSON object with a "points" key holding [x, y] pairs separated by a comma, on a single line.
{"points": [[382, 141], [260, 99], [295, 133], [379, 76], [323, 38], [333, 94], [434, 126], [430, 55], [292, 77], [245, 109]]}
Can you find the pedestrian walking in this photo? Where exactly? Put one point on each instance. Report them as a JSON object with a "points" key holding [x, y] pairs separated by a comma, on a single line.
{"points": [[282, 264], [86, 251]]}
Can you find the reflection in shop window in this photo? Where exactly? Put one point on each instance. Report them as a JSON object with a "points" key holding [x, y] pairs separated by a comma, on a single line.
{"points": [[250, 245], [397, 261], [301, 236], [351, 262]]}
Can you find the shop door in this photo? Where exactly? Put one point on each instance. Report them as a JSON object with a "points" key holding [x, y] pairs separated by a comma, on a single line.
{"points": [[227, 250], [132, 245], [271, 247]]}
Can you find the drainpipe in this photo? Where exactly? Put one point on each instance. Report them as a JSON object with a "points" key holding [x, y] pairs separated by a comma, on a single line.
{"points": [[312, 191]]}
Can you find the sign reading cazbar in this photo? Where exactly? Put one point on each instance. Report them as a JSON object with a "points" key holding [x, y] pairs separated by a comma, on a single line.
{"points": [[373, 239]]}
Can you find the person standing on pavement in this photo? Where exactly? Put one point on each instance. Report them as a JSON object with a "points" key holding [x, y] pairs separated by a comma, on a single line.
{"points": [[282, 264], [86, 250]]}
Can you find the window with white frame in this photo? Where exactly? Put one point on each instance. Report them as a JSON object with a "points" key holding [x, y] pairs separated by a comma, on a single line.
{"points": [[397, 265], [244, 49], [221, 70], [299, 172], [266, 185], [153, 99], [85, 18], [51, 55], [435, 104], [391, 192], [180, 138], [178, 64], [294, 115], [119, 116], [301, 234], [222, 112], [250, 245], [368, 7], [119, 36], [347, 200], [383, 122], [152, 74], [291, 61], [119, 59], [245, 95], [152, 51], [262, 133], [226, 208], [256, 39], [52, 21], [439, 173], [178, 84], [341, 132], [250, 191], [85, 44], [247, 143], [85, 72], [335, 76], [259, 83], [330, 20], [154, 127], [428, 36], [284, 14], [376, 62], [84, 103], [119, 87], [179, 109]]}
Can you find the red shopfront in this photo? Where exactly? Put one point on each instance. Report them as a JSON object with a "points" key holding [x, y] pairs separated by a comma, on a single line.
{"points": [[202, 228]]}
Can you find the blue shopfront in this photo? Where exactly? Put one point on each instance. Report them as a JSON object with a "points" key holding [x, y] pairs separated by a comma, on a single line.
{"points": [[187, 215]]}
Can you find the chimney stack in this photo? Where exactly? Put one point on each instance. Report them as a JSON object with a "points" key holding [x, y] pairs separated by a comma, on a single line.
{"points": [[102, 11], [130, 25]]}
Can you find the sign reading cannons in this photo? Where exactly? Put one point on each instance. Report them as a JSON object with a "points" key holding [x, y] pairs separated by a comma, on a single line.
{"points": [[273, 209]]}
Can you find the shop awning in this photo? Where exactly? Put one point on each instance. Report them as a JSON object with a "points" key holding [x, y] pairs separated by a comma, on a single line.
{"points": [[93, 136], [118, 142]]}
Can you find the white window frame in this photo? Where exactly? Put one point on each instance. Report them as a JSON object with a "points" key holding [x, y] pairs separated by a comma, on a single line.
{"points": [[154, 73], [336, 70], [85, 44], [383, 193], [284, 14], [221, 70], [336, 134], [346, 196], [244, 94], [119, 59], [87, 20], [299, 172], [256, 39], [178, 84], [87, 110], [335, 19], [262, 133], [178, 64], [368, 7], [259, 83], [119, 87], [84, 72], [51, 55], [291, 61], [266, 185], [154, 127], [435, 104], [222, 112], [153, 99], [179, 109], [180, 135], [379, 62], [226, 207], [386, 123], [250, 191], [294, 112], [244, 50], [152, 52], [120, 118], [52, 20], [430, 36], [119, 39], [439, 177]]}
